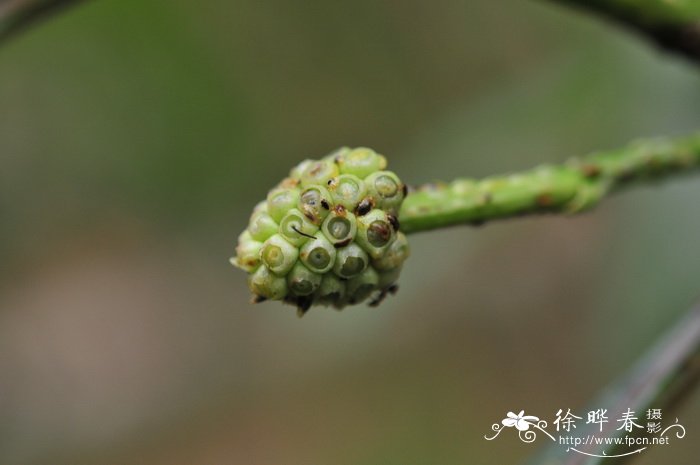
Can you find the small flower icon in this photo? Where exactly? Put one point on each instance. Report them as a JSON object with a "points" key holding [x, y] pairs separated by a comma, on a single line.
{"points": [[520, 421]]}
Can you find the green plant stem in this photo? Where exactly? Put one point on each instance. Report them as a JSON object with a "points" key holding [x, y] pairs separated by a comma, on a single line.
{"points": [[17, 15], [661, 379], [574, 186], [673, 24]]}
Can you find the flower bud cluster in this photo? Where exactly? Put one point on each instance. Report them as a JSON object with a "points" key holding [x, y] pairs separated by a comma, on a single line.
{"points": [[328, 234]]}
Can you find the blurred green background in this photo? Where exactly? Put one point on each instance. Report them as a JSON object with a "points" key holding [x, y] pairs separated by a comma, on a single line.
{"points": [[135, 137]]}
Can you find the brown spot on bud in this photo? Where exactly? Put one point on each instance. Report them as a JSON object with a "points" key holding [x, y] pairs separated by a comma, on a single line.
{"points": [[340, 210], [364, 206], [342, 243], [325, 204], [394, 221]]}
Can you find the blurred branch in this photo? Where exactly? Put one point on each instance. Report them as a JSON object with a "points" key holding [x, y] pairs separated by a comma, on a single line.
{"points": [[661, 380], [17, 15], [674, 25], [577, 185]]}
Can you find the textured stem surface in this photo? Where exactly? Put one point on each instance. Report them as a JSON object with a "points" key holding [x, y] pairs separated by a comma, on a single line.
{"points": [[16, 15], [673, 24], [574, 186], [661, 379]]}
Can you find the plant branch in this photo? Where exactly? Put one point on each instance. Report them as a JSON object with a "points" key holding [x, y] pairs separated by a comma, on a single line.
{"points": [[574, 186], [17, 15], [661, 379], [674, 25]]}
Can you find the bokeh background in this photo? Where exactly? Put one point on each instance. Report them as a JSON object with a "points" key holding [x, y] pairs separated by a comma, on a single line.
{"points": [[135, 137]]}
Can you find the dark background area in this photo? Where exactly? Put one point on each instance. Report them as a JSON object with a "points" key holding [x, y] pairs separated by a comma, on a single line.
{"points": [[135, 138]]}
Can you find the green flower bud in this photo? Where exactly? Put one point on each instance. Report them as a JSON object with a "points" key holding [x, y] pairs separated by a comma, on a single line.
{"points": [[394, 257], [297, 171], [360, 287], [386, 189], [350, 261], [315, 203], [259, 207], [301, 281], [280, 200], [375, 232], [247, 253], [318, 173], [340, 227], [279, 255], [264, 283], [297, 228], [347, 190], [331, 291], [318, 254], [328, 234], [262, 226], [361, 162]]}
